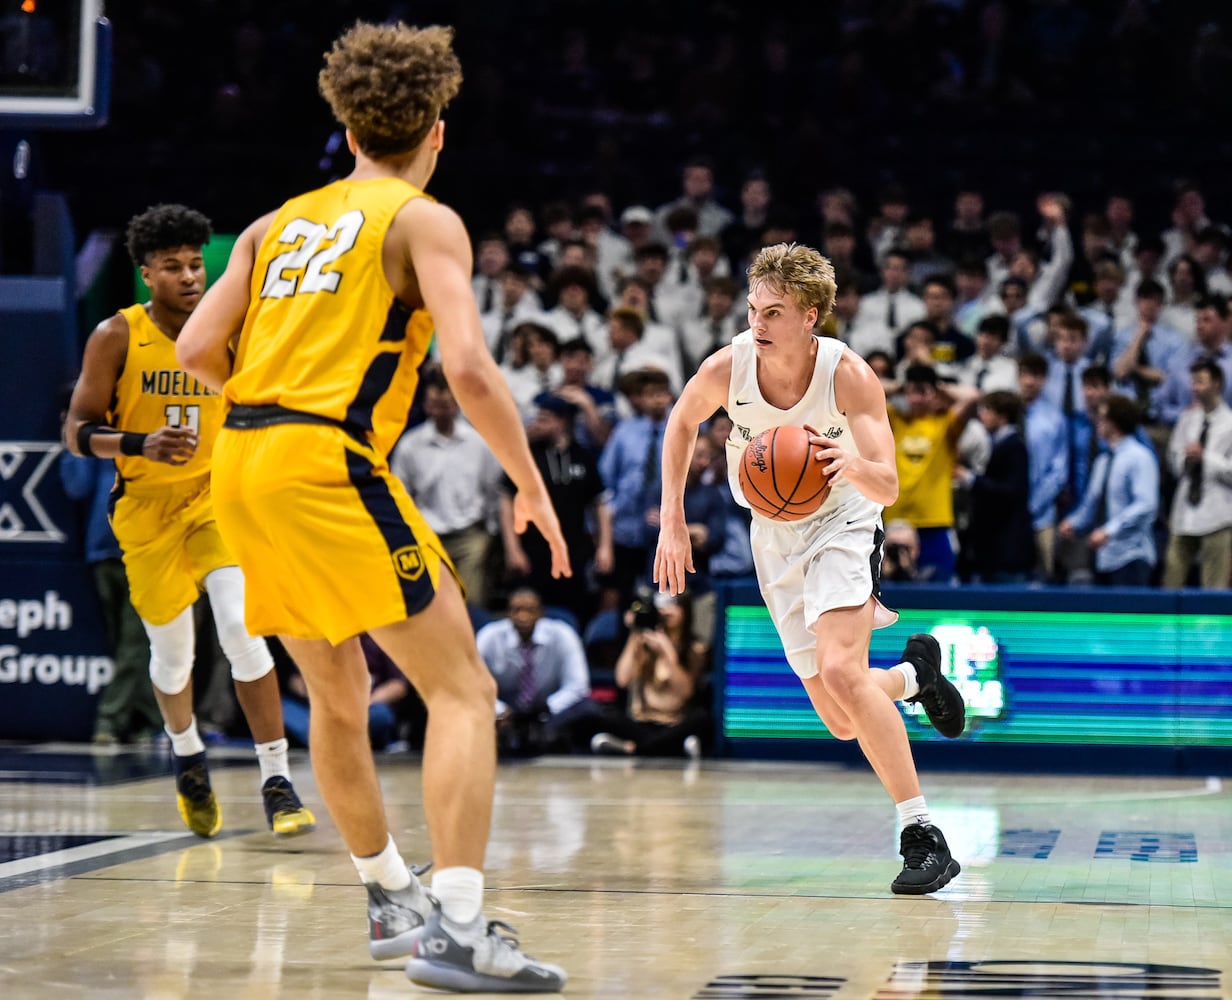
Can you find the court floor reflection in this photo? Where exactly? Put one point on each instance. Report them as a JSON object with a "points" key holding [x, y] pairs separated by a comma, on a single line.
{"points": [[645, 881]]}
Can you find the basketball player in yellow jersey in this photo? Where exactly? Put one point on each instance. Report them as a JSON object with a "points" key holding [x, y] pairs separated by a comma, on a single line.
{"points": [[331, 303], [134, 403], [820, 576]]}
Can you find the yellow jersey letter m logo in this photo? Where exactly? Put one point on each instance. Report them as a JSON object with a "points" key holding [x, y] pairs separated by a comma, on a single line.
{"points": [[409, 562]]}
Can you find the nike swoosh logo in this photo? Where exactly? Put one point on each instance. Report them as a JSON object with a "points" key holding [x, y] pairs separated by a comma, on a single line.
{"points": [[144, 343], [743, 402]]}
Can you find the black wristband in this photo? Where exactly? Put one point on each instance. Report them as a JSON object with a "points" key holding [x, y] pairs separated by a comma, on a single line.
{"points": [[84, 433], [131, 443]]}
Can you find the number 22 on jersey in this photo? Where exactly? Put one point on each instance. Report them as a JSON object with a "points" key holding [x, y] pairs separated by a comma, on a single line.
{"points": [[311, 265]]}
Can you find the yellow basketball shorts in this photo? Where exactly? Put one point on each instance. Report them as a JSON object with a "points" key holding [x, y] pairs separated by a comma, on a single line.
{"points": [[170, 544], [330, 542]]}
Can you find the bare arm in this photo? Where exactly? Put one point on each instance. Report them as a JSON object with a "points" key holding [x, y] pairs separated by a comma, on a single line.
{"points": [[1126, 363], [963, 400], [105, 356], [603, 537], [859, 396], [628, 663], [440, 252], [705, 392], [203, 347], [515, 555]]}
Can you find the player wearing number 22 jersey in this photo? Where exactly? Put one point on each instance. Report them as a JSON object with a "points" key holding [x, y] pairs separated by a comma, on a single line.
{"points": [[325, 370]]}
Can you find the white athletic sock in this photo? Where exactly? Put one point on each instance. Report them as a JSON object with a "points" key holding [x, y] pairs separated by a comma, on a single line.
{"points": [[272, 757], [913, 811], [386, 869], [460, 891], [911, 681], [188, 742]]}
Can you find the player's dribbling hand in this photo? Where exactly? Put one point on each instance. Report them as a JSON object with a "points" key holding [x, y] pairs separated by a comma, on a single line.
{"points": [[537, 508], [171, 445], [834, 459], [673, 557]]}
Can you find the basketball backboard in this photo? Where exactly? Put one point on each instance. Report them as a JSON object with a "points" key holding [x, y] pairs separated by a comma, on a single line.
{"points": [[55, 64]]}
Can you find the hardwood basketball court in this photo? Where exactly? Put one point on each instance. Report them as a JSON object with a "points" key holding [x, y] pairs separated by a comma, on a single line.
{"points": [[644, 879]]}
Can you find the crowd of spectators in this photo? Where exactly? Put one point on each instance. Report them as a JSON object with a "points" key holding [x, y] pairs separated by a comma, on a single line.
{"points": [[1058, 365], [559, 97], [1096, 354]]}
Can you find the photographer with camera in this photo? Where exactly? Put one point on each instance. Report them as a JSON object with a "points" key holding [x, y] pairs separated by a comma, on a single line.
{"points": [[659, 670], [900, 558]]}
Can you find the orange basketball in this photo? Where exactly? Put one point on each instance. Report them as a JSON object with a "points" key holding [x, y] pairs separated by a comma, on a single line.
{"points": [[779, 476]]}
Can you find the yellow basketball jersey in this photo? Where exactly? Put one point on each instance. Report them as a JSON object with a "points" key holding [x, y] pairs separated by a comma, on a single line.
{"points": [[153, 391], [324, 333]]}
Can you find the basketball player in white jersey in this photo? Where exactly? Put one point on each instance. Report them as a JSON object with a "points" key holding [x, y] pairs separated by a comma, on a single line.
{"points": [[820, 576]]}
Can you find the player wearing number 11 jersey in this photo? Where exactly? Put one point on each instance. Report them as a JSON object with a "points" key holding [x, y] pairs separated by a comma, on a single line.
{"points": [[134, 403]]}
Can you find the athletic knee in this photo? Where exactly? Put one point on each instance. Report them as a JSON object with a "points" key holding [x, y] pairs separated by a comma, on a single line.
{"points": [[843, 731], [840, 679], [250, 659], [472, 689], [248, 655], [171, 653]]}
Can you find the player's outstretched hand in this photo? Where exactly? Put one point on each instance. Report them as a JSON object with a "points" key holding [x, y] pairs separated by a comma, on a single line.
{"points": [[537, 508], [673, 557]]}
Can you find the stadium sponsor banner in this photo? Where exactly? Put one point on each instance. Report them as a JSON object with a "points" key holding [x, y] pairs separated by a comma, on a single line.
{"points": [[54, 660]]}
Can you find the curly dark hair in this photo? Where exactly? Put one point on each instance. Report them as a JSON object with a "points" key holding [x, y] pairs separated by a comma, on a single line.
{"points": [[165, 227], [387, 83]]}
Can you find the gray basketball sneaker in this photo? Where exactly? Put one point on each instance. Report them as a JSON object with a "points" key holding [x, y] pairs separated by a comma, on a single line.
{"points": [[478, 959], [396, 917]]}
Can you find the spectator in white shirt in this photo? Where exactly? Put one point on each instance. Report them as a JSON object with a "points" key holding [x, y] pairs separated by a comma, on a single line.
{"points": [[990, 368], [627, 352], [517, 302], [715, 328], [573, 316], [697, 193], [540, 372], [1209, 250], [613, 253], [888, 310], [491, 261], [1200, 454], [1188, 219], [1188, 288], [454, 479]]}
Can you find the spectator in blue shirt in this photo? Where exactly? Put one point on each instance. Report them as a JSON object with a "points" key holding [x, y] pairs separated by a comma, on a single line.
{"points": [[1145, 354], [1047, 438], [1121, 501], [1212, 330], [629, 466]]}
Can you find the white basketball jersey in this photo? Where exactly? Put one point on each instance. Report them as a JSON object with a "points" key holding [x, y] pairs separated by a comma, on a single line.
{"points": [[751, 414]]}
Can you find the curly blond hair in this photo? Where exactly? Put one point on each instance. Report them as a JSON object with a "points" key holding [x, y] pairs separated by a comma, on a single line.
{"points": [[796, 271], [387, 83]]}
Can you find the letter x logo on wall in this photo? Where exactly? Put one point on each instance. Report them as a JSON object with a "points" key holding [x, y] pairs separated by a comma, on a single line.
{"points": [[23, 464]]}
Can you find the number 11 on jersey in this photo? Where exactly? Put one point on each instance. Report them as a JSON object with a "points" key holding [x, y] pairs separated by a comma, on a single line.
{"points": [[184, 416]]}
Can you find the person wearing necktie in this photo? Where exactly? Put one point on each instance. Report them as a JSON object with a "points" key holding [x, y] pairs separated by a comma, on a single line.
{"points": [[1200, 455], [542, 679], [491, 260], [1121, 501], [1144, 358]]}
